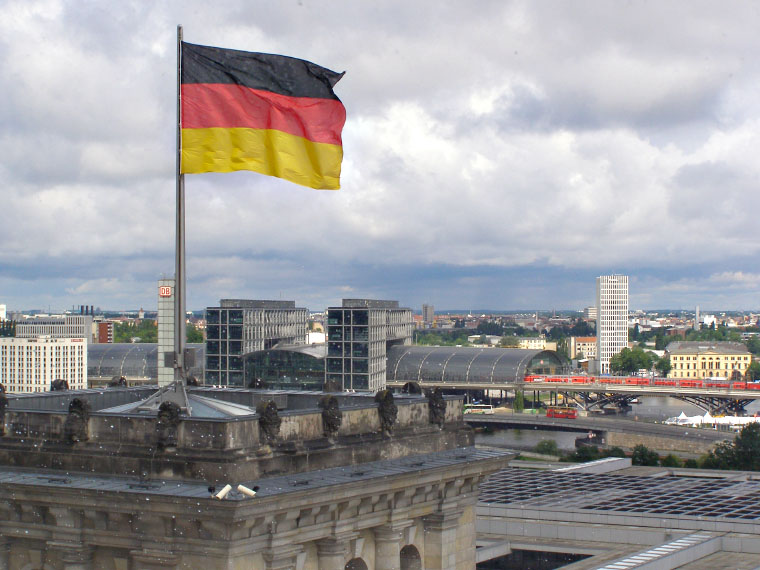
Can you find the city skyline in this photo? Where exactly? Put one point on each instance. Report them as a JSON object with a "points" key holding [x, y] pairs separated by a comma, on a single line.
{"points": [[548, 146]]}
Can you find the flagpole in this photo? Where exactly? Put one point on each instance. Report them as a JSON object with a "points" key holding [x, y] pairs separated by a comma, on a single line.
{"points": [[179, 272]]}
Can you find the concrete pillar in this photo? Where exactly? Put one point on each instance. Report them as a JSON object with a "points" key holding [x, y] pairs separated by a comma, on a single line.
{"points": [[283, 557], [332, 553], [387, 548], [441, 540]]}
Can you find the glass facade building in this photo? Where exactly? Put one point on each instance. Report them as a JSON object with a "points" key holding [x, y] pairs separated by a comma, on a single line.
{"points": [[287, 367], [239, 326], [358, 336]]}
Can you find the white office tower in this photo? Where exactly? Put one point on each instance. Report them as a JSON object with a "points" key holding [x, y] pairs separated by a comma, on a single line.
{"points": [[31, 364], [612, 318], [165, 331]]}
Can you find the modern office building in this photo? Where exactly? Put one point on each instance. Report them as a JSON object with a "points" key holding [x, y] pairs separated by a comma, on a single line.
{"points": [[358, 336], [428, 314], [57, 326], [612, 318], [31, 364], [239, 326]]}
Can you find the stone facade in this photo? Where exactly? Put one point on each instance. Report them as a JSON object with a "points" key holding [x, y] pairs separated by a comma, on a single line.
{"points": [[362, 498]]}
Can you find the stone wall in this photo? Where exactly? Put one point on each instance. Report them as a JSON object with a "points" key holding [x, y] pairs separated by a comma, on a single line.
{"points": [[658, 443], [429, 511]]}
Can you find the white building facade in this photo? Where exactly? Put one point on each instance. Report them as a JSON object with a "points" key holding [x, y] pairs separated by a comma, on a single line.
{"points": [[62, 326], [31, 364], [612, 318]]}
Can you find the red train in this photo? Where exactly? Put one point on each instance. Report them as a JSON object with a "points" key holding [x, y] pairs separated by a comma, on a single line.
{"points": [[640, 381]]}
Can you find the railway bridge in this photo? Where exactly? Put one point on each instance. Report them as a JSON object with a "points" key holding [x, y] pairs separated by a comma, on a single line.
{"points": [[498, 371]]}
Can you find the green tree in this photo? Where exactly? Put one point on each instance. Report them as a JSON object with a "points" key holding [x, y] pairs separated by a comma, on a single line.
{"points": [[508, 341], [747, 448], [663, 366], [753, 371], [194, 334], [671, 461], [519, 403], [547, 447], [143, 331], [614, 452], [642, 455], [629, 361]]}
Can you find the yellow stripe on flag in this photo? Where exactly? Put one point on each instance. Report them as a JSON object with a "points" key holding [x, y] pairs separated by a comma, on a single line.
{"points": [[270, 152]]}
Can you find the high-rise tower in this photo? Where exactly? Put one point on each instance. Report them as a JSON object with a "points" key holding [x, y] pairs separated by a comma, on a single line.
{"points": [[612, 318]]}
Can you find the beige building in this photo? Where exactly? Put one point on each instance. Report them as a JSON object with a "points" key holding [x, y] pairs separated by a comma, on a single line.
{"points": [[704, 359], [536, 343], [583, 345]]}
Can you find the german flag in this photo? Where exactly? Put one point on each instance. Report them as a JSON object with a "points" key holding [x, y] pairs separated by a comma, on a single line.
{"points": [[272, 114]]}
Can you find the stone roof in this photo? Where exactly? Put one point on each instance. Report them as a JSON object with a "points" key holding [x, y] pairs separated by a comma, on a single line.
{"points": [[700, 346]]}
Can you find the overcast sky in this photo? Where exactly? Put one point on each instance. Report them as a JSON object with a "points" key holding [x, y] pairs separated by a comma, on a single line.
{"points": [[497, 155]]}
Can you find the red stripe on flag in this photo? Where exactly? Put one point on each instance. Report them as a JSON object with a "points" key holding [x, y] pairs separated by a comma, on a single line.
{"points": [[229, 106]]}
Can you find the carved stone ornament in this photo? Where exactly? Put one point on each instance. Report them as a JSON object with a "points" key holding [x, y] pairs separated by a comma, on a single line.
{"points": [[387, 410], [167, 424], [437, 407], [332, 417], [411, 388], [59, 385], [75, 428], [117, 381], [269, 420]]}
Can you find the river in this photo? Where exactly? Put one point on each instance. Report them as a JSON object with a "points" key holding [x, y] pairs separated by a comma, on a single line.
{"points": [[651, 408]]}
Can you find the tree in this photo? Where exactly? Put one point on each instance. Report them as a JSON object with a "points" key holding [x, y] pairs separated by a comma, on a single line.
{"points": [[747, 448], [547, 447], [519, 403], [194, 335], [642, 455], [671, 461], [629, 361], [753, 371], [663, 366]]}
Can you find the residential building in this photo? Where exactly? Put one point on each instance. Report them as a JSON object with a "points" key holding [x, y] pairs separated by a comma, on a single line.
{"points": [[612, 318], [583, 345], [57, 326], [706, 359], [358, 336], [428, 314], [532, 343], [31, 364], [590, 313], [239, 326], [103, 332]]}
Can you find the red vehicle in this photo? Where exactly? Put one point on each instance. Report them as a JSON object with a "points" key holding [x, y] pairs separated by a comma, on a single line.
{"points": [[581, 380], [561, 412]]}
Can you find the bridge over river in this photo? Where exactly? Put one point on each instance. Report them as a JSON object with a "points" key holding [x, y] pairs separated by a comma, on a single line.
{"points": [[598, 392], [616, 431]]}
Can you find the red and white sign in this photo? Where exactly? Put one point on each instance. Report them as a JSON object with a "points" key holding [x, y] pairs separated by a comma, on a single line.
{"points": [[165, 291]]}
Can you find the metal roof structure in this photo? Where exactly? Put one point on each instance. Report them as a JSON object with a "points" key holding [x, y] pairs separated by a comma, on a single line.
{"points": [[466, 364], [138, 360]]}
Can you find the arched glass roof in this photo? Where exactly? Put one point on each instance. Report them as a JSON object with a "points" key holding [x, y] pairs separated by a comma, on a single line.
{"points": [[138, 360], [449, 364]]}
